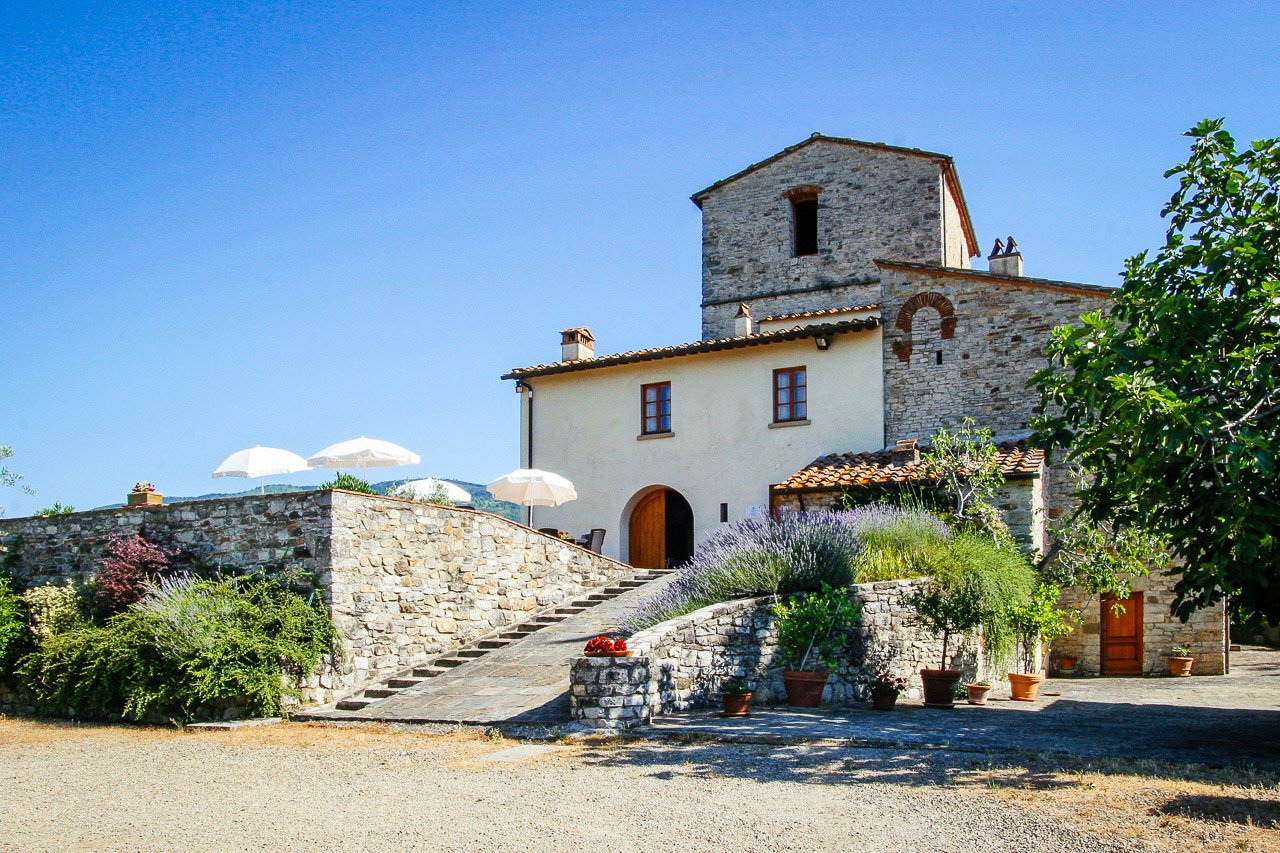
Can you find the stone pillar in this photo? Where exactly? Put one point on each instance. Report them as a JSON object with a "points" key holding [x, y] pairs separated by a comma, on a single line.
{"points": [[611, 693]]}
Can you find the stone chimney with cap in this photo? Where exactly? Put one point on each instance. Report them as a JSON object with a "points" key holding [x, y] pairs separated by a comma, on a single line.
{"points": [[905, 452], [743, 325], [1005, 259], [577, 344]]}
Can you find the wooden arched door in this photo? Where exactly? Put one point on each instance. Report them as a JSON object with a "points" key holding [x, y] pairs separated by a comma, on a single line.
{"points": [[647, 532]]}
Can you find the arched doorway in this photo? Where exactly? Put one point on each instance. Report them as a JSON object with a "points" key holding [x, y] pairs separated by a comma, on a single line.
{"points": [[660, 531]]}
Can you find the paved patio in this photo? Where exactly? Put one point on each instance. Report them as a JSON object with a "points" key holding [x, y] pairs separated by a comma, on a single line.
{"points": [[1216, 720]]}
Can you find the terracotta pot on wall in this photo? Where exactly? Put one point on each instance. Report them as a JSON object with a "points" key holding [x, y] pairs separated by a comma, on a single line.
{"points": [[804, 689], [940, 687], [1024, 688], [1180, 666]]}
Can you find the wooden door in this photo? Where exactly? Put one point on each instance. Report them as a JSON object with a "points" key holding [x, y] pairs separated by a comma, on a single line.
{"points": [[648, 532], [1122, 636]]}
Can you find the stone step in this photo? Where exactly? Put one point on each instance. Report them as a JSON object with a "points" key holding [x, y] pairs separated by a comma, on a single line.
{"points": [[380, 692], [549, 619], [599, 596], [428, 671], [516, 635], [570, 610], [353, 704], [401, 683], [470, 653], [613, 590], [449, 662], [493, 644]]}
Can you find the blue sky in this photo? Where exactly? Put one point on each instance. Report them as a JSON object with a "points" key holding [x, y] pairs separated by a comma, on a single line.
{"points": [[290, 224]]}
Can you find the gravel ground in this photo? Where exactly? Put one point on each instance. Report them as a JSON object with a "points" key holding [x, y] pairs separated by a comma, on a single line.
{"points": [[297, 787]]}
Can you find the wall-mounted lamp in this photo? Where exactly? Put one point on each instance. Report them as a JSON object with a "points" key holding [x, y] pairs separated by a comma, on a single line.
{"points": [[822, 341]]}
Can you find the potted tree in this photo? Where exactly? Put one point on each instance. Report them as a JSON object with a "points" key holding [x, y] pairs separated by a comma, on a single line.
{"points": [[812, 632], [736, 695], [1036, 621], [945, 609], [1180, 661]]}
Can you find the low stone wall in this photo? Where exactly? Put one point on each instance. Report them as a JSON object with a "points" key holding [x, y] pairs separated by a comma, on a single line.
{"points": [[682, 663], [1204, 633], [403, 580]]}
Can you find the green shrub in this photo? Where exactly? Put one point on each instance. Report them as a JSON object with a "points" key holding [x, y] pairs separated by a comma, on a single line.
{"points": [[53, 609], [1036, 620], [189, 649], [13, 626], [348, 483], [813, 628]]}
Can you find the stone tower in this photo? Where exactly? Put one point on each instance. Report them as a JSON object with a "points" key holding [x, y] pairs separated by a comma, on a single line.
{"points": [[801, 230]]}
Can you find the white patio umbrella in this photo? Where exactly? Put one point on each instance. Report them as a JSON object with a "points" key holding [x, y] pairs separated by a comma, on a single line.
{"points": [[260, 462], [426, 488], [531, 487], [363, 453]]}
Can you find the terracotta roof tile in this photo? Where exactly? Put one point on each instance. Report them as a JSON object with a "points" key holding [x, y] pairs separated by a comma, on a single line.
{"points": [[795, 333], [825, 312], [846, 470]]}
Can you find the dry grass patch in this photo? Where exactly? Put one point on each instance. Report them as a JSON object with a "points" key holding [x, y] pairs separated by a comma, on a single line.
{"points": [[1168, 806]]}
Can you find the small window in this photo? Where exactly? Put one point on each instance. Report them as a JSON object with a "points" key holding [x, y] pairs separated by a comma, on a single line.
{"points": [[804, 227], [790, 394], [655, 408]]}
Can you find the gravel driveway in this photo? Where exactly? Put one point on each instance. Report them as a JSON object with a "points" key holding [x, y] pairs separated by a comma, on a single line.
{"points": [[297, 787]]}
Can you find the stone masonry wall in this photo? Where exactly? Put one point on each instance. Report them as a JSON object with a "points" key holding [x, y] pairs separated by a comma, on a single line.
{"points": [[404, 580], [680, 664], [873, 204], [1204, 634]]}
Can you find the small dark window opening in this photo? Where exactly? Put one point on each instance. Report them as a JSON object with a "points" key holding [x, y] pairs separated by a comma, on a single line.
{"points": [[804, 227], [939, 356], [724, 513]]}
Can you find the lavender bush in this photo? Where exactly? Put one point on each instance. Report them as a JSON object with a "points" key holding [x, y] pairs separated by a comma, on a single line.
{"points": [[797, 553]]}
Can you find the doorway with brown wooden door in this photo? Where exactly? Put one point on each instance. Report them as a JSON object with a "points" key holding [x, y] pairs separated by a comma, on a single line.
{"points": [[1121, 639], [660, 530]]}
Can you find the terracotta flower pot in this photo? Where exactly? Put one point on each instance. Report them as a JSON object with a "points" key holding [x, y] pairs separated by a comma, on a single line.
{"points": [[940, 687], [1066, 666], [1180, 666], [978, 693], [1024, 688], [804, 689], [884, 700], [736, 705]]}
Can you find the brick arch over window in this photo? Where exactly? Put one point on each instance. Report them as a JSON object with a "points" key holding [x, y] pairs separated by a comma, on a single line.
{"points": [[936, 301]]}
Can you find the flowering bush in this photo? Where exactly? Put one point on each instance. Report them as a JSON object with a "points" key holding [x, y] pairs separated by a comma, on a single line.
{"points": [[144, 486], [52, 609], [603, 645], [886, 683], [132, 563]]}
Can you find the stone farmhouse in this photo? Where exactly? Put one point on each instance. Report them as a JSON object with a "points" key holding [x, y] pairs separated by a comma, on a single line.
{"points": [[842, 326]]}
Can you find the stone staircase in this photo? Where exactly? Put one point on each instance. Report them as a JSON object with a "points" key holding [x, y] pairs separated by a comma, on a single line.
{"points": [[499, 639]]}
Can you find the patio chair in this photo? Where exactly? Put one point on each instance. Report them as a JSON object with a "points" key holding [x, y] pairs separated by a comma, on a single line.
{"points": [[594, 540]]}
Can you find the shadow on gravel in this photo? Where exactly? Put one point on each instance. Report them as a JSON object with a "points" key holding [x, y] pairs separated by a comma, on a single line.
{"points": [[1242, 810]]}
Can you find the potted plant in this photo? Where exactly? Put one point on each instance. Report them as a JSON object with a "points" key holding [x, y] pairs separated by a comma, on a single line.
{"points": [[1180, 661], [978, 691], [944, 609], [1066, 665], [884, 690], [812, 632], [605, 646], [144, 494], [736, 695], [1035, 621]]}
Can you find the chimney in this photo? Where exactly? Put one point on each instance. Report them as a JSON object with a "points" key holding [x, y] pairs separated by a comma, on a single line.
{"points": [[1005, 259], [905, 452], [577, 344], [742, 323]]}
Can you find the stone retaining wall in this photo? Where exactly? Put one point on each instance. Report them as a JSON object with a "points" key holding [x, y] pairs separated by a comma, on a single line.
{"points": [[403, 580], [680, 664]]}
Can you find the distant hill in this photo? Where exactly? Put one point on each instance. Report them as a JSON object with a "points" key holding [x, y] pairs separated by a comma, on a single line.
{"points": [[480, 497]]}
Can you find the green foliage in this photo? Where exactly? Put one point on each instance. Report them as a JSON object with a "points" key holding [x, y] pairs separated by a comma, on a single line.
{"points": [[9, 477], [813, 628], [1036, 620], [53, 609], [966, 467], [1172, 400], [895, 544], [189, 649], [56, 509], [438, 495], [974, 582], [1180, 652], [13, 626], [348, 483]]}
